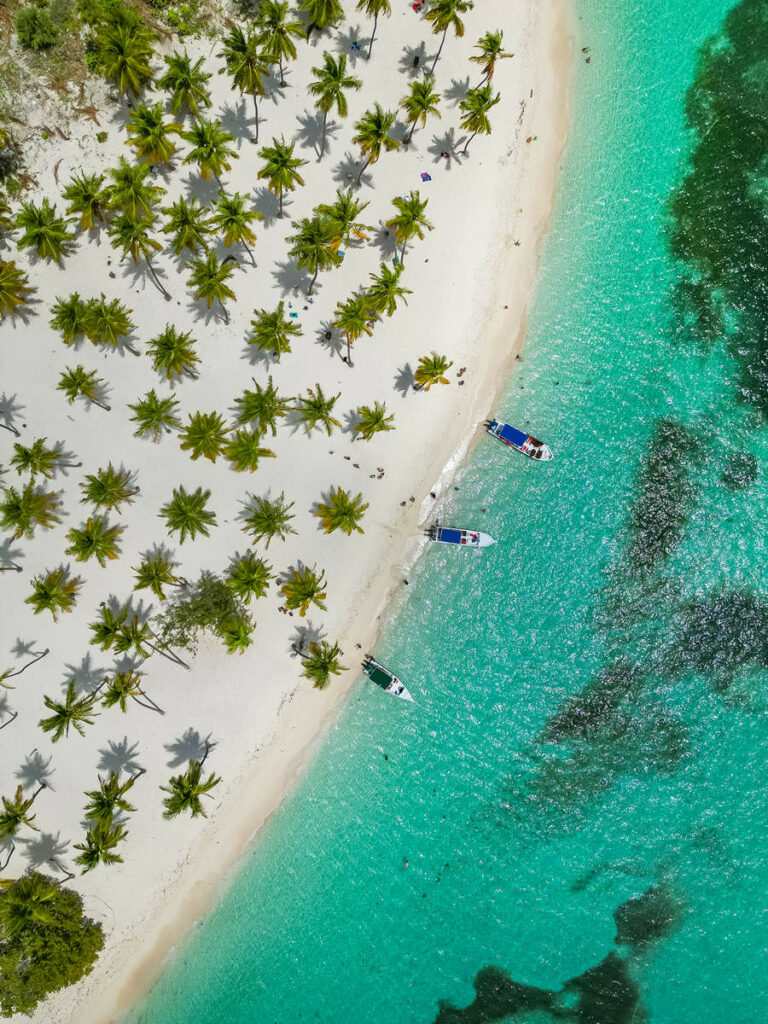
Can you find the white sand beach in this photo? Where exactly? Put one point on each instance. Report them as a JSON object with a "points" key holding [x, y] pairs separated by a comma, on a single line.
{"points": [[472, 279]]}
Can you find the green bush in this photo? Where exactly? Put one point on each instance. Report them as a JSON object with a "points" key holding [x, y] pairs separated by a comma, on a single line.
{"points": [[34, 28], [46, 943], [208, 605]]}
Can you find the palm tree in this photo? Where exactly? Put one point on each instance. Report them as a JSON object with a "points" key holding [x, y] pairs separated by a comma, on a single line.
{"points": [[420, 103], [124, 48], [383, 293], [268, 519], [276, 33], [129, 191], [445, 14], [313, 247], [5, 212], [491, 51], [22, 511], [116, 630], [374, 9], [88, 198], [331, 81], [107, 322], [321, 661], [244, 450], [151, 135], [54, 592], [73, 711], [37, 458], [249, 577], [25, 904], [280, 169], [343, 215], [262, 406], [352, 319], [14, 289], [209, 280], [156, 571], [155, 415], [246, 65], [110, 797], [125, 686], [372, 136], [188, 223], [237, 634], [70, 316], [95, 539], [431, 370], [341, 512], [316, 409], [43, 231], [321, 14], [476, 106], [15, 813], [205, 434], [99, 846], [9, 674], [187, 515], [132, 236], [186, 83], [234, 221], [108, 488], [210, 149], [185, 790], [303, 588], [272, 332], [173, 353], [372, 420], [409, 221]]}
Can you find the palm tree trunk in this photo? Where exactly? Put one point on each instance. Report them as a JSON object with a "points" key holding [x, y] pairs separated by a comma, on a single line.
{"points": [[40, 788], [37, 657], [11, 568], [13, 430], [250, 253], [218, 182], [282, 72], [256, 115], [349, 352], [322, 140], [466, 148], [437, 58], [150, 704], [224, 311], [160, 287], [13, 846], [103, 405], [312, 282], [409, 136], [280, 206], [310, 29], [402, 251], [362, 169], [13, 718], [373, 35]]}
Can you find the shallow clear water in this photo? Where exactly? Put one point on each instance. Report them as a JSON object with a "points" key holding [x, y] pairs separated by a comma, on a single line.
{"points": [[626, 572]]}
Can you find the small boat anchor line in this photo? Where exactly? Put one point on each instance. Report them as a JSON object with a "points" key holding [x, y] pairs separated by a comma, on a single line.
{"points": [[385, 679], [524, 443], [464, 538]]}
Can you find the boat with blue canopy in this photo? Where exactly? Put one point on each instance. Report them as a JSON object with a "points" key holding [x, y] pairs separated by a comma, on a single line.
{"points": [[463, 538], [385, 679], [514, 438]]}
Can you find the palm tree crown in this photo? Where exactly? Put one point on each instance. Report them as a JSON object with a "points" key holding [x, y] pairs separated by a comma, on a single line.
{"points": [[151, 135], [304, 587], [316, 410], [343, 214], [281, 169], [209, 281], [341, 511], [131, 234], [476, 107], [269, 518], [262, 406], [372, 136], [99, 846], [420, 103], [187, 515], [445, 14], [124, 46], [38, 458], [374, 9], [352, 318], [43, 231], [409, 221], [491, 52], [328, 88], [173, 353], [244, 450], [431, 370], [22, 511], [249, 577], [155, 415], [210, 148], [385, 290], [54, 592], [321, 661], [277, 32], [373, 420], [272, 332], [108, 488], [188, 223], [321, 13], [88, 198], [233, 219], [14, 289], [95, 539], [186, 83], [155, 572], [129, 191], [75, 712], [185, 791], [205, 434], [313, 246], [77, 382]]}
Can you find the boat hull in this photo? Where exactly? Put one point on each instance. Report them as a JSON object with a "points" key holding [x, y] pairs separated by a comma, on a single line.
{"points": [[520, 441], [386, 680], [460, 538]]}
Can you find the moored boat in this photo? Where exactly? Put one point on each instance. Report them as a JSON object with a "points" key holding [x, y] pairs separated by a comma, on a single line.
{"points": [[385, 679], [524, 443], [464, 538]]}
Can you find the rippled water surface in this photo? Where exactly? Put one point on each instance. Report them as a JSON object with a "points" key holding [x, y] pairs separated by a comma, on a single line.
{"points": [[579, 790]]}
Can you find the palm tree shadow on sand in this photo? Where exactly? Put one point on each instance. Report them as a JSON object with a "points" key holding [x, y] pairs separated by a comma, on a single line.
{"points": [[236, 119], [119, 757], [346, 172], [86, 676], [10, 557], [414, 60], [456, 91], [10, 413], [446, 143], [190, 746], [44, 849], [35, 771], [329, 337], [352, 41], [310, 133], [404, 380], [290, 279], [305, 634], [267, 204]]}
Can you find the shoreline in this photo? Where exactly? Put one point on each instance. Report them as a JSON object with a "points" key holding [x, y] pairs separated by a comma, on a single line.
{"points": [[148, 909], [127, 971]]}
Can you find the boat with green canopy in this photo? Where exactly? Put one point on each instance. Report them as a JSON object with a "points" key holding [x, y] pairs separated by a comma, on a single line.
{"points": [[385, 679]]}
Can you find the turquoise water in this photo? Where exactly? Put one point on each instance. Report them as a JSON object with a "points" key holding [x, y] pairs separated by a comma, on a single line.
{"points": [[579, 791]]}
